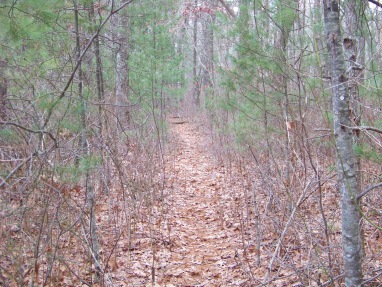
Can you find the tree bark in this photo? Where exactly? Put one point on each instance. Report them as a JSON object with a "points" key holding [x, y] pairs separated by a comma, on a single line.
{"points": [[354, 48], [286, 26], [346, 159], [196, 90], [89, 185], [103, 180], [207, 51], [3, 92], [122, 67]]}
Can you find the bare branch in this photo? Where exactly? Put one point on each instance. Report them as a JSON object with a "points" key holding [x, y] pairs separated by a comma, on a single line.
{"points": [[20, 165], [368, 189], [229, 9], [31, 131], [364, 128]]}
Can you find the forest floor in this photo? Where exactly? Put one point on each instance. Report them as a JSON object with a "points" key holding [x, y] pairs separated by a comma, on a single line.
{"points": [[192, 239], [195, 225]]}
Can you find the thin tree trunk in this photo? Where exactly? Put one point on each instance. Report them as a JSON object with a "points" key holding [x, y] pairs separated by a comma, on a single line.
{"points": [[122, 67], [89, 185], [196, 91], [286, 27], [208, 50], [80, 81], [354, 51], [346, 159], [103, 180], [99, 72], [3, 92]]}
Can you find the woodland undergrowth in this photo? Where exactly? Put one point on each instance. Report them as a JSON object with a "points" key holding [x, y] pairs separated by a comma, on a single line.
{"points": [[165, 207]]}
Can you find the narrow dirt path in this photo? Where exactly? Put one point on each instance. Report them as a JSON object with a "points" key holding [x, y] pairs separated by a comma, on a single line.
{"points": [[204, 238]]}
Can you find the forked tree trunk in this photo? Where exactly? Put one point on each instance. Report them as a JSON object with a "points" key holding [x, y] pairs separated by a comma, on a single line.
{"points": [[346, 158]]}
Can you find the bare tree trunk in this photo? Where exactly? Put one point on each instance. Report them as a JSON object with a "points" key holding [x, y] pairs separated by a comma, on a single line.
{"points": [[99, 72], [104, 174], [89, 185], [3, 91], [80, 81], [354, 50], [346, 159], [122, 67], [286, 27], [207, 51], [196, 90]]}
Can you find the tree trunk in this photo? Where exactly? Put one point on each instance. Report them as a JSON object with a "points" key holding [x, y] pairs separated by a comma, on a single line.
{"points": [[99, 72], [208, 50], [104, 174], [196, 90], [354, 48], [89, 185], [3, 92], [80, 81], [346, 159], [122, 67], [286, 25]]}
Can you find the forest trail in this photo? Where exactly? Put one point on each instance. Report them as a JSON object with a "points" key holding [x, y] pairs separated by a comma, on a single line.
{"points": [[195, 230], [204, 240]]}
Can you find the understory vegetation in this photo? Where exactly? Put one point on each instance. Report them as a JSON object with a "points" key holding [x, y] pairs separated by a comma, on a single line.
{"points": [[122, 121]]}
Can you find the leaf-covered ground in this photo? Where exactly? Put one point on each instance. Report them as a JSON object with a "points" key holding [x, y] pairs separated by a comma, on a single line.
{"points": [[200, 232], [190, 220], [191, 240]]}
